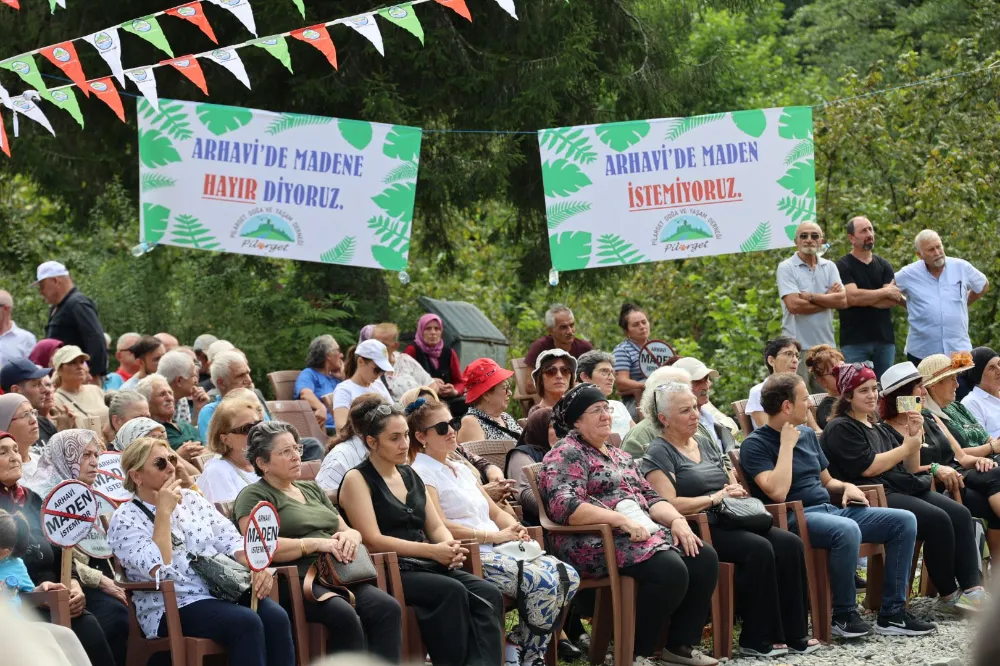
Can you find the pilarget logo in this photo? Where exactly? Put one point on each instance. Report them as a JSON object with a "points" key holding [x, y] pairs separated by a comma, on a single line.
{"points": [[141, 26], [183, 62], [138, 75], [267, 42], [61, 54], [59, 96], [221, 55], [310, 34], [22, 103], [103, 41], [232, 3], [20, 67], [398, 12], [360, 21], [99, 86], [187, 11]]}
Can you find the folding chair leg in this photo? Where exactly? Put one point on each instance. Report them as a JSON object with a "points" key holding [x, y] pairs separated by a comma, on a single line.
{"points": [[822, 604], [625, 638], [722, 612]]}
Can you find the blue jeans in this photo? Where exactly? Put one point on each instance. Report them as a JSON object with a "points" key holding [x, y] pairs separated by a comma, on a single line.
{"points": [[881, 354], [841, 531]]}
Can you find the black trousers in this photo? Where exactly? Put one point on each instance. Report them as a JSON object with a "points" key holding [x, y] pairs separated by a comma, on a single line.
{"points": [[979, 487], [460, 617], [112, 615], [676, 589], [949, 537], [88, 630], [771, 584]]}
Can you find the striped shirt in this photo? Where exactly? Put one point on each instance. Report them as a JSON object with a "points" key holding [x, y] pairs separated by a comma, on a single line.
{"points": [[627, 358]]}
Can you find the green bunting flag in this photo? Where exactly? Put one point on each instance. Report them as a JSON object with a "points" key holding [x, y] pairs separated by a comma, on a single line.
{"points": [[24, 66], [149, 29], [301, 6], [65, 99], [277, 47], [405, 18]]}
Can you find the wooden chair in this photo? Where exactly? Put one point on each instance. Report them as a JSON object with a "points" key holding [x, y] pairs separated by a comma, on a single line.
{"points": [[525, 394], [56, 601], [814, 400], [300, 415], [494, 450], [739, 408], [615, 440], [283, 383], [309, 470]]}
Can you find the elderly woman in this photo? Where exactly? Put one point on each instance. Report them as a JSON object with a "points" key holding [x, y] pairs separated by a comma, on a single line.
{"points": [[598, 368], [460, 616], [438, 359], [685, 468], [406, 373], [488, 394], [863, 452], [74, 390], [585, 481], [20, 421], [554, 374], [154, 537], [72, 456], [821, 360], [546, 585], [225, 476], [311, 526], [631, 380], [319, 378], [123, 406], [183, 437], [984, 398], [143, 427], [780, 355], [642, 435], [365, 366]]}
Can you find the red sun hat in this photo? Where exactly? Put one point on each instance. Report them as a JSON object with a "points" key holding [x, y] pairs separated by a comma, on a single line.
{"points": [[480, 376]]}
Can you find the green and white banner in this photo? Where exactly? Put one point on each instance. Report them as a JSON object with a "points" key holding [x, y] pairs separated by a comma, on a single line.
{"points": [[291, 186], [652, 190]]}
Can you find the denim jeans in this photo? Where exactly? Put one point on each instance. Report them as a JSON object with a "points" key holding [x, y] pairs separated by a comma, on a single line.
{"points": [[841, 531], [881, 354]]}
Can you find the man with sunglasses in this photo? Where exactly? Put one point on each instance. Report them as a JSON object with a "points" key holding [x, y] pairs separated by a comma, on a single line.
{"points": [[810, 290]]}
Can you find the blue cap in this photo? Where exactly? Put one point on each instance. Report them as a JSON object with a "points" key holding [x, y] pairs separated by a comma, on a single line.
{"points": [[20, 370]]}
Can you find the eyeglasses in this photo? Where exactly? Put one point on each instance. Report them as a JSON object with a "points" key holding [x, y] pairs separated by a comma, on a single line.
{"points": [[161, 463], [30, 415], [554, 370], [505, 388], [244, 429], [597, 410], [291, 453], [806, 235], [380, 411], [442, 428], [789, 353], [604, 372]]}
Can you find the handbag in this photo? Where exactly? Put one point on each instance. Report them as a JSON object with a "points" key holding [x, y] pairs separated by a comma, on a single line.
{"points": [[522, 551], [526, 551], [336, 577], [742, 513]]}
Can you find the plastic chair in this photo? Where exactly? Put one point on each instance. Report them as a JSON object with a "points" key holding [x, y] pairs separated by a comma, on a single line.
{"points": [[526, 395], [494, 450], [56, 601], [300, 415], [283, 383], [739, 408]]}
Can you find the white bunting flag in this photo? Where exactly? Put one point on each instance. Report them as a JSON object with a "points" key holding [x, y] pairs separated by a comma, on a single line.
{"points": [[25, 104], [61, 3], [367, 26], [508, 6], [109, 46], [241, 9], [4, 97], [230, 59], [145, 81]]}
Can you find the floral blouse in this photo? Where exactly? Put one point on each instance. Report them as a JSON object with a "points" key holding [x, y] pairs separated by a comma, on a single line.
{"points": [[203, 530], [964, 426], [490, 428], [575, 472]]}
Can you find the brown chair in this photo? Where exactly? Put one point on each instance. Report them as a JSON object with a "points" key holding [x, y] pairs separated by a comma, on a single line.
{"points": [[299, 414], [525, 394], [56, 601], [309, 470], [494, 450], [615, 440], [283, 383], [739, 408]]}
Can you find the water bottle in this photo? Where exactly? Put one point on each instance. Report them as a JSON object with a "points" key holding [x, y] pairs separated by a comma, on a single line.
{"points": [[145, 247], [553, 277], [823, 249], [404, 277]]}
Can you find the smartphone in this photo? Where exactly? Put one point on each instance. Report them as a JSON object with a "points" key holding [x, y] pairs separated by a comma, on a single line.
{"points": [[908, 403], [855, 503]]}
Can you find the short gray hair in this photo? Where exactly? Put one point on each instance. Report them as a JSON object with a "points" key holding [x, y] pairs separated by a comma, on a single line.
{"points": [[660, 376], [222, 362], [261, 438], [125, 340], [550, 316], [926, 234], [664, 396], [318, 350], [120, 402], [175, 364], [589, 361], [145, 387]]}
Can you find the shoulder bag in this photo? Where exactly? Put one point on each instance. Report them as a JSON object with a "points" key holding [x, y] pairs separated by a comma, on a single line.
{"points": [[337, 577], [742, 513]]}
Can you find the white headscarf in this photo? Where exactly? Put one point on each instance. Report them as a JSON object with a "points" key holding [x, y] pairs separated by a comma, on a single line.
{"points": [[133, 430], [61, 459]]}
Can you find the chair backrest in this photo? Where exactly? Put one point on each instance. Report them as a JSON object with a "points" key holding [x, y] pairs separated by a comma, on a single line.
{"points": [[739, 408], [309, 470], [615, 440], [283, 383], [525, 394], [734, 458], [300, 415], [531, 473], [225, 508], [814, 400], [494, 450]]}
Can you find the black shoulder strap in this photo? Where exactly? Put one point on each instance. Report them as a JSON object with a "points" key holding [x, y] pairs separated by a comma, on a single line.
{"points": [[174, 539], [491, 422]]}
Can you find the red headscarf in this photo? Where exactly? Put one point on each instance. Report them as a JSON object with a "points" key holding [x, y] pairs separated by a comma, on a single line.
{"points": [[432, 352], [42, 353], [852, 375]]}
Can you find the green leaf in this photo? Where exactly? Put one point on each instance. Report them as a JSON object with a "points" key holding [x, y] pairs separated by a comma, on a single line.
{"points": [[622, 136], [569, 142], [397, 200], [355, 132], [406, 171], [156, 149], [155, 219], [341, 253], [189, 231], [403, 143], [394, 232], [171, 118], [803, 148], [752, 122], [389, 259], [759, 240], [221, 119], [562, 178], [680, 126], [800, 179], [799, 209], [570, 250], [289, 121], [558, 213], [795, 122], [613, 250], [155, 181], [790, 231]]}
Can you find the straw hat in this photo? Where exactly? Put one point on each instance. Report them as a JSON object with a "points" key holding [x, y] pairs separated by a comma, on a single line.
{"points": [[936, 367]]}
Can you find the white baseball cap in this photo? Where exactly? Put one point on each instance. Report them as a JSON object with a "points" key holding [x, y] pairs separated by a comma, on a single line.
{"points": [[695, 368], [49, 269], [373, 350]]}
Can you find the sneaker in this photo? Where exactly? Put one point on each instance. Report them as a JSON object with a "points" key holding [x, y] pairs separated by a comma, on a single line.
{"points": [[644, 661], [849, 625], [770, 651], [971, 601], [903, 624]]}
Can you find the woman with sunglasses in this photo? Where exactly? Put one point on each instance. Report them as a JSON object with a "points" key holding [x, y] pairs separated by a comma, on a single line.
{"points": [[488, 394], [460, 615], [153, 537], [545, 586], [225, 476], [554, 374], [365, 366], [821, 360]]}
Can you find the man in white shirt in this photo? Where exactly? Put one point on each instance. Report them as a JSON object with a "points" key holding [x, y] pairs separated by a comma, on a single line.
{"points": [[15, 342]]}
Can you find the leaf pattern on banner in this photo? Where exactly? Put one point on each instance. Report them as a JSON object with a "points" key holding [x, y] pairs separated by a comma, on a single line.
{"points": [[188, 230], [790, 231], [795, 122], [799, 209], [341, 253], [155, 181], [155, 219], [171, 118], [397, 234], [562, 178], [800, 179], [803, 148], [759, 240], [558, 213], [221, 119], [406, 171], [356, 132], [389, 259], [289, 121], [570, 250], [156, 149], [397, 201], [752, 122], [613, 250], [680, 126], [622, 136], [402, 143], [570, 143]]}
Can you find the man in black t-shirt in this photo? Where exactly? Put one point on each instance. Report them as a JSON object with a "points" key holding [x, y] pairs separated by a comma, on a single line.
{"points": [[866, 332]]}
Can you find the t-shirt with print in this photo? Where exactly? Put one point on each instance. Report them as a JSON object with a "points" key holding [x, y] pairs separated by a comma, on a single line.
{"points": [[759, 454]]}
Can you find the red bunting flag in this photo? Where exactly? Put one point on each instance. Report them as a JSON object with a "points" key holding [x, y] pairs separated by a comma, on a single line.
{"points": [[193, 12], [64, 57], [4, 145], [13, 3], [458, 6], [107, 93], [318, 36], [189, 67]]}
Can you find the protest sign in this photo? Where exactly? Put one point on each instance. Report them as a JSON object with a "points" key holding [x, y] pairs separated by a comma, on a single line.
{"points": [[95, 544], [653, 355], [261, 539], [68, 513], [110, 479]]}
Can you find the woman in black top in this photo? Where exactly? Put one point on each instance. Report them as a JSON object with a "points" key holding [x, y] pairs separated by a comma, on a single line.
{"points": [[460, 615], [686, 470], [861, 452]]}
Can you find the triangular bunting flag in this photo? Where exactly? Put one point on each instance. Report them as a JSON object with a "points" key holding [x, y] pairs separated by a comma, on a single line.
{"points": [[108, 45], [194, 13], [241, 9], [65, 58], [230, 59], [298, 3], [145, 81], [318, 36], [107, 93], [189, 67], [24, 66], [277, 47], [13, 3], [458, 5], [149, 29], [65, 99], [508, 6], [403, 16], [367, 26], [23, 104], [4, 144], [5, 97]]}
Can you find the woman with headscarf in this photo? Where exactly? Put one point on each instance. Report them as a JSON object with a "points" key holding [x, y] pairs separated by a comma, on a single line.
{"points": [[983, 400], [20, 421], [536, 440], [41, 353], [437, 358], [140, 427]]}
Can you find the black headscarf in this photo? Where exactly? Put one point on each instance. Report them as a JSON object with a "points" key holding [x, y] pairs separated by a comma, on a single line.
{"points": [[981, 356], [572, 406]]}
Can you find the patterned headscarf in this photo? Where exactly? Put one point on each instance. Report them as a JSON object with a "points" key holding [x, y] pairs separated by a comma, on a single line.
{"points": [[133, 430], [572, 405], [852, 375], [433, 353], [41, 354], [61, 459]]}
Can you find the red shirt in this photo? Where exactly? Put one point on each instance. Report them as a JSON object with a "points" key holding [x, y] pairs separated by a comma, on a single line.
{"points": [[577, 349]]}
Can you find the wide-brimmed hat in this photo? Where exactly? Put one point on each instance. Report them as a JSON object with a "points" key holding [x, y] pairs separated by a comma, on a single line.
{"points": [[373, 350], [936, 367], [899, 375], [695, 368], [67, 354], [553, 354], [481, 376]]}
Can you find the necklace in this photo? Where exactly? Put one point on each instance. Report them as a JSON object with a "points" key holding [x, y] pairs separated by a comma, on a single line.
{"points": [[240, 471]]}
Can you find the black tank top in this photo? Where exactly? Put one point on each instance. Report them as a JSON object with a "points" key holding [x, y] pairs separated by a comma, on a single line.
{"points": [[395, 519]]}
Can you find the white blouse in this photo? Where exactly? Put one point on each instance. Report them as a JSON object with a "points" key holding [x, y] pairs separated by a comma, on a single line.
{"points": [[458, 492], [222, 481], [621, 420], [986, 409], [203, 531], [407, 373], [338, 462]]}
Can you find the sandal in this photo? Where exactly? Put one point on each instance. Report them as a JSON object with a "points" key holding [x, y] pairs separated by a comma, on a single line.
{"points": [[776, 650], [804, 646]]}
